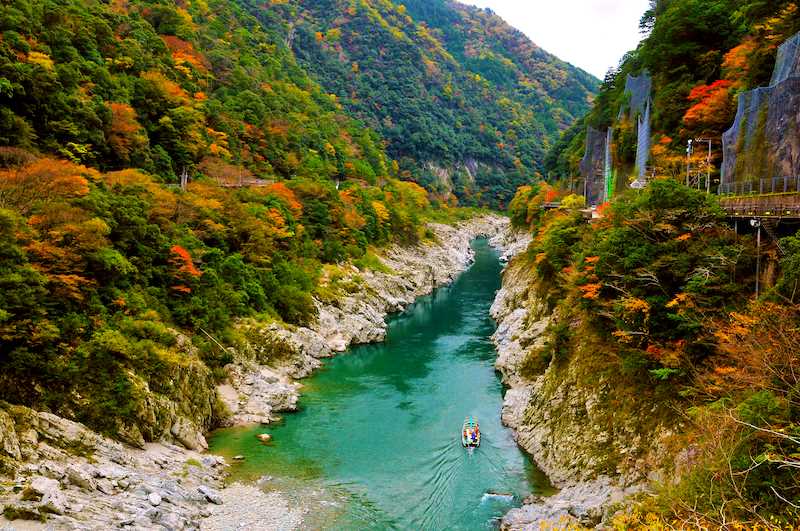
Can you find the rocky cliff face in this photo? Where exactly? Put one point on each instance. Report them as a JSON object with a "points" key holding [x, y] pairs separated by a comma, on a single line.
{"points": [[595, 444], [465, 179], [447, 180], [178, 403]]}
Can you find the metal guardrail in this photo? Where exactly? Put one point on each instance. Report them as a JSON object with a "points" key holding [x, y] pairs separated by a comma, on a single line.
{"points": [[778, 197], [761, 210], [249, 183], [775, 185]]}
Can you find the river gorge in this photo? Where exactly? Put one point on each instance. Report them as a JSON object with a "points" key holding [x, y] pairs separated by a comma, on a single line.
{"points": [[378, 427], [375, 440], [364, 413]]}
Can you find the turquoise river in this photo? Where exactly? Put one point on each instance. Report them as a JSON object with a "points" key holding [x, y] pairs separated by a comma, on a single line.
{"points": [[376, 443]]}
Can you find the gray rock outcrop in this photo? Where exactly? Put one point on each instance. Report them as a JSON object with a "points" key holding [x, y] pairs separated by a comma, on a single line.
{"points": [[9, 443], [446, 179], [77, 479], [188, 434]]}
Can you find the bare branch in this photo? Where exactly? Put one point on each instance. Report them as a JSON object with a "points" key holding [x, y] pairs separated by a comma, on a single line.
{"points": [[782, 498], [765, 430]]}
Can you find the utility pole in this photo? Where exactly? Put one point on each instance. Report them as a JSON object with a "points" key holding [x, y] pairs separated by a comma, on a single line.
{"points": [[688, 161], [708, 163], [708, 169], [757, 224]]}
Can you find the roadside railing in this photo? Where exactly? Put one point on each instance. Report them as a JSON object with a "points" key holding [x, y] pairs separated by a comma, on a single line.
{"points": [[775, 185], [756, 210]]}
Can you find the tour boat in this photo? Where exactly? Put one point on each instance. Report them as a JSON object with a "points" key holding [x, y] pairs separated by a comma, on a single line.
{"points": [[470, 427]]}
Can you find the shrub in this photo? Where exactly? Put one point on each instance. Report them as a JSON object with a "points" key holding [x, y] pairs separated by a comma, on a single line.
{"points": [[372, 262]]}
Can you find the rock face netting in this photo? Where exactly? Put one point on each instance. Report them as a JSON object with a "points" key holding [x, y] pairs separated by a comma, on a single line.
{"points": [[638, 88], [740, 136], [593, 165], [597, 164], [788, 61], [764, 141], [608, 171], [643, 141]]}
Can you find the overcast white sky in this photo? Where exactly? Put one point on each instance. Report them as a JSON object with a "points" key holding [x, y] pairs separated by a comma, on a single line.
{"points": [[591, 34]]}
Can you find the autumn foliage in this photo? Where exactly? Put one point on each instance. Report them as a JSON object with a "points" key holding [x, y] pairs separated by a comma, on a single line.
{"points": [[125, 133], [712, 106], [526, 208], [184, 52], [287, 196], [744, 424], [41, 182], [183, 263]]}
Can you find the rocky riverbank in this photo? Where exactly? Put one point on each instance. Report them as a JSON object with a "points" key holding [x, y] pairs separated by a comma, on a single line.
{"points": [[57, 474], [564, 415]]}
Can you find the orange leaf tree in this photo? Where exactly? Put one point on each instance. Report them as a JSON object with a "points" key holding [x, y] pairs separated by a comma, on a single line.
{"points": [[125, 134], [183, 263], [43, 181]]}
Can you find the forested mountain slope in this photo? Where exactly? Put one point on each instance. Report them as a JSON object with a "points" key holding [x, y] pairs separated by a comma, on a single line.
{"points": [[113, 279], [466, 103], [485, 44], [165, 88], [463, 102]]}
